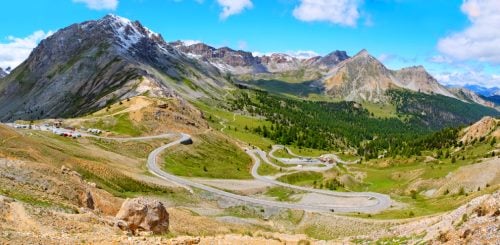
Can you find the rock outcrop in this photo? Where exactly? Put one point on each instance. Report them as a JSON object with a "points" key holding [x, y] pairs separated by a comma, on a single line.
{"points": [[141, 214], [480, 129]]}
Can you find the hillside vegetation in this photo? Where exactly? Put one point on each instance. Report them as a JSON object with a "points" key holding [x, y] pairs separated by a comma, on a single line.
{"points": [[210, 156], [347, 125]]}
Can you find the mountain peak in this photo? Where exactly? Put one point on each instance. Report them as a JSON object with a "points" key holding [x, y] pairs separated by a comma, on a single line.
{"points": [[128, 32], [332, 59], [116, 20], [363, 53]]}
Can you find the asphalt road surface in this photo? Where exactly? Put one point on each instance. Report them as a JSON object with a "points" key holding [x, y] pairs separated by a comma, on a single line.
{"points": [[383, 201]]}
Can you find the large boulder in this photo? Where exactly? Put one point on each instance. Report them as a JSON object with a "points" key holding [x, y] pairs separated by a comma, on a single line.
{"points": [[141, 214]]}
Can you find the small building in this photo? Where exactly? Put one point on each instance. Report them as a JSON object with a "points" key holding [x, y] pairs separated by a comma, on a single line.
{"points": [[187, 142]]}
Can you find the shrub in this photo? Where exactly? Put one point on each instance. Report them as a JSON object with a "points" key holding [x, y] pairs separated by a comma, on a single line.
{"points": [[413, 194]]}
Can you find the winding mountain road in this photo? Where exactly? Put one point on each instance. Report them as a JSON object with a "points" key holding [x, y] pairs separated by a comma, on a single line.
{"points": [[303, 160], [383, 201]]}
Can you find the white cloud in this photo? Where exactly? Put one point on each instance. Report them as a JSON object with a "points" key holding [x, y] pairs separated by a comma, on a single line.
{"points": [[481, 40], [302, 54], [299, 54], [190, 42], [440, 59], [342, 12], [260, 54], [468, 77], [386, 57], [16, 50], [232, 7], [99, 4]]}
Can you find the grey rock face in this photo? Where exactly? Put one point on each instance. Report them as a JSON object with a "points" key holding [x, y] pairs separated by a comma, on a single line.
{"points": [[241, 62], [86, 66]]}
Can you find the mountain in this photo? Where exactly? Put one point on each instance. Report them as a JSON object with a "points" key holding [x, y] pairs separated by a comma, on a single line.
{"points": [[90, 65], [417, 79], [495, 99], [487, 126], [484, 91], [364, 78], [226, 59], [241, 62], [3, 73], [361, 77], [470, 96]]}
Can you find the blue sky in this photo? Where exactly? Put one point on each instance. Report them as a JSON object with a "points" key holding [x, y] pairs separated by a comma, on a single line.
{"points": [[453, 39]]}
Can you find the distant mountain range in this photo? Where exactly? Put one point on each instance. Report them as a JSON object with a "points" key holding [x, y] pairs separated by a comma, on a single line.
{"points": [[242, 62], [87, 66], [4, 73], [487, 92]]}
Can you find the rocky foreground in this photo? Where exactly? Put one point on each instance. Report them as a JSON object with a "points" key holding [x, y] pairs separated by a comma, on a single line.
{"points": [[147, 221]]}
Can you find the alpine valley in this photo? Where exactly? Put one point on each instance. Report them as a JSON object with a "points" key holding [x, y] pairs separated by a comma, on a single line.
{"points": [[111, 134]]}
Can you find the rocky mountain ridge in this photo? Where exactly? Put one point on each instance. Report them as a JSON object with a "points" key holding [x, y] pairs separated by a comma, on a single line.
{"points": [[364, 78], [371, 86], [470, 96], [243, 62], [484, 91], [89, 65]]}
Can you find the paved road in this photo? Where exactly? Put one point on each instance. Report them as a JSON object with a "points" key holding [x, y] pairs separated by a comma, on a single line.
{"points": [[298, 160], [152, 164], [383, 201], [302, 159], [155, 169], [299, 167]]}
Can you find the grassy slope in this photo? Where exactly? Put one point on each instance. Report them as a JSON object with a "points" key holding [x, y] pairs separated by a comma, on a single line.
{"points": [[94, 165], [282, 194], [120, 124], [235, 125], [210, 156], [267, 170], [302, 178], [396, 178]]}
